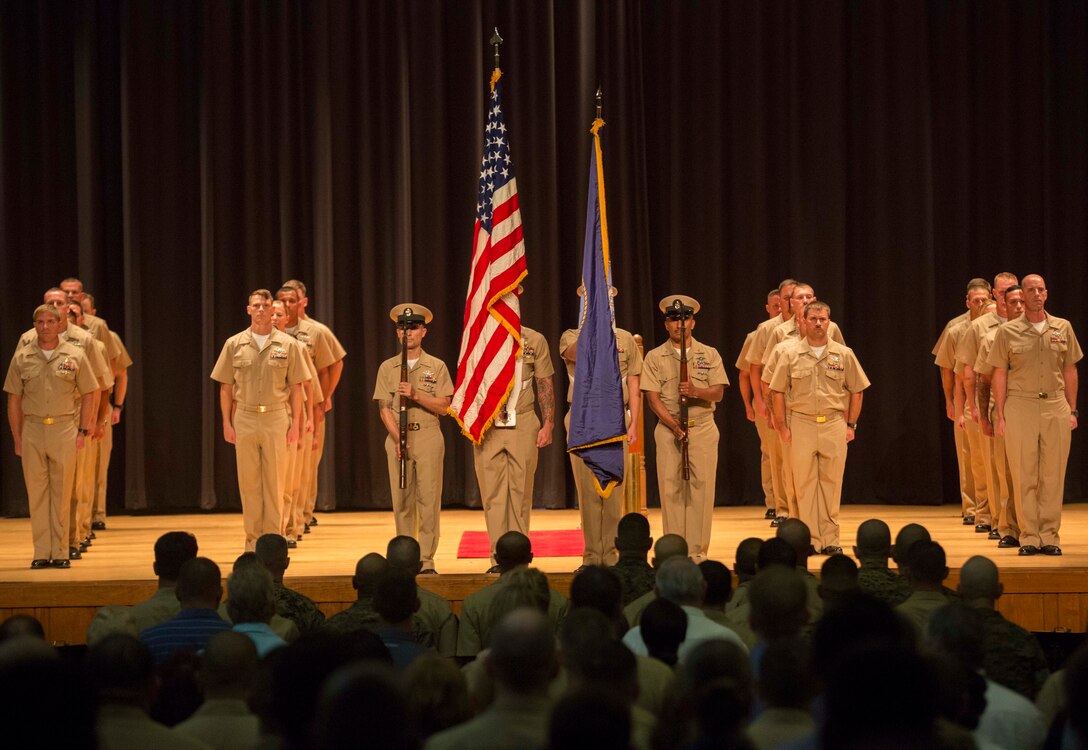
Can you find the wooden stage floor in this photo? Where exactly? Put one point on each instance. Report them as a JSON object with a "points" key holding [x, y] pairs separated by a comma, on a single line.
{"points": [[1042, 593]]}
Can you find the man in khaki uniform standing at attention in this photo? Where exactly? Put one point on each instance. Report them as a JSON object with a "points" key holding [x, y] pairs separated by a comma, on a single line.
{"points": [[968, 412], [601, 516], [687, 506], [978, 294], [772, 491], [817, 387], [1035, 393], [329, 378], [506, 458], [260, 372], [428, 392], [51, 398]]}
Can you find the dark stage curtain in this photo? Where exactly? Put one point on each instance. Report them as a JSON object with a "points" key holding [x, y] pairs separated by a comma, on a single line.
{"points": [[176, 154]]}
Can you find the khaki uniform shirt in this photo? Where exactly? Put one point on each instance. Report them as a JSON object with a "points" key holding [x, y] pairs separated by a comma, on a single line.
{"points": [[83, 339], [762, 338], [626, 348], [790, 330], [316, 339], [428, 376], [162, 605], [742, 359], [260, 377], [124, 361], [536, 362], [101, 331], [946, 355], [818, 385], [335, 347], [53, 387], [661, 374], [963, 317], [1035, 360], [775, 357]]}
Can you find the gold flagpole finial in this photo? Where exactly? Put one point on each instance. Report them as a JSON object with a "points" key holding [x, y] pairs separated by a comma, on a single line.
{"points": [[496, 40]]}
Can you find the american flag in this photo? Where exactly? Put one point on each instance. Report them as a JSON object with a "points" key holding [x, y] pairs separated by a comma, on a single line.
{"points": [[491, 342]]}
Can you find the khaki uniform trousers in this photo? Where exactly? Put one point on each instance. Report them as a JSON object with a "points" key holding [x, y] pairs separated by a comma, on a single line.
{"points": [[785, 496], [600, 516], [105, 450], [505, 465], [49, 466], [1037, 439], [1001, 501], [963, 463], [294, 515], [79, 520], [416, 507], [687, 508], [818, 459], [771, 484], [310, 485], [261, 451], [980, 468]]}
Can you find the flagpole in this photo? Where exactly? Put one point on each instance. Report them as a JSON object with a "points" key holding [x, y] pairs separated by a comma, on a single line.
{"points": [[598, 98], [496, 40]]}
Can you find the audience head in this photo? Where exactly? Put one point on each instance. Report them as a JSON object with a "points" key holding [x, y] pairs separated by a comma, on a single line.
{"points": [[244, 559], [874, 540], [776, 552], [633, 535], [956, 631], [251, 595], [858, 619], [669, 546], [21, 625], [228, 666], [679, 581], [523, 588], [367, 571], [171, 550], [589, 719], [719, 584], [747, 556], [795, 533], [907, 536], [363, 705], [779, 603], [784, 677], [513, 549], [609, 666], [663, 626], [437, 694], [119, 669], [395, 597], [583, 631], [599, 588], [403, 553], [926, 565], [522, 659], [838, 575], [980, 584], [199, 584], [714, 660], [271, 550]]}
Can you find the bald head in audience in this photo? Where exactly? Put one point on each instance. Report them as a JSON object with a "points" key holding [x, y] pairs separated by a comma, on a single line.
{"points": [[367, 572], [795, 533], [230, 661], [523, 656], [402, 553], [779, 603], [907, 536], [980, 584], [271, 550], [200, 584], [669, 546], [744, 564], [874, 540], [511, 550]]}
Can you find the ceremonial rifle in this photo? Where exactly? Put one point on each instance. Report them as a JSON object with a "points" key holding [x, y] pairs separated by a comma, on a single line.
{"points": [[682, 310], [403, 400]]}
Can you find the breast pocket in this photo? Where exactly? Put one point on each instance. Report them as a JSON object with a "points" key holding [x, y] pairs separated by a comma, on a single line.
{"points": [[1020, 355], [801, 380], [834, 381], [242, 361]]}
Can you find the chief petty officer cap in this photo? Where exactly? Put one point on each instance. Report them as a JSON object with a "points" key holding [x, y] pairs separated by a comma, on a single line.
{"points": [[409, 312], [668, 305]]}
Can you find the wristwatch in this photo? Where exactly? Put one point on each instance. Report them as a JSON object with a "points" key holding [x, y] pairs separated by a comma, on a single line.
{"points": [[852, 425], [1074, 413], [84, 432]]}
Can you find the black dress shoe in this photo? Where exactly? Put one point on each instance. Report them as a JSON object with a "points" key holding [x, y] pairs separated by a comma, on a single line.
{"points": [[84, 545], [1051, 549], [1028, 549], [777, 521], [298, 538], [98, 525], [39, 564], [291, 544], [1008, 542], [306, 529], [769, 514], [92, 535], [73, 554], [968, 520], [61, 564], [494, 570], [428, 572], [982, 528], [994, 534], [831, 551], [313, 521]]}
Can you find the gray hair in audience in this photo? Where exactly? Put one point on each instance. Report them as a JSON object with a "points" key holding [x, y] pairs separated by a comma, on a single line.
{"points": [[250, 595], [679, 581]]}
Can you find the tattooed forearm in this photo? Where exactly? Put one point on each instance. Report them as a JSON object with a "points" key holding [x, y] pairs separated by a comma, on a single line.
{"points": [[545, 398]]}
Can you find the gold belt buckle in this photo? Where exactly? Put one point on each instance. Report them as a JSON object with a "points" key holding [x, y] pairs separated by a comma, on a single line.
{"points": [[821, 419], [48, 420], [691, 423], [1042, 394], [262, 409]]}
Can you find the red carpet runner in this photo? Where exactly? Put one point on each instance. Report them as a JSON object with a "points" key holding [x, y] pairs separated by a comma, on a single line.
{"points": [[566, 543]]}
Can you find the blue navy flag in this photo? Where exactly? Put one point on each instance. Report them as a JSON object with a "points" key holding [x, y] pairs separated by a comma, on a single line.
{"points": [[597, 430]]}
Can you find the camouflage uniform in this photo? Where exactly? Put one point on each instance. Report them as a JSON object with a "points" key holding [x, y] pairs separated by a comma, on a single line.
{"points": [[475, 626], [875, 578], [1012, 656], [359, 616], [435, 624], [298, 608], [636, 576]]}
